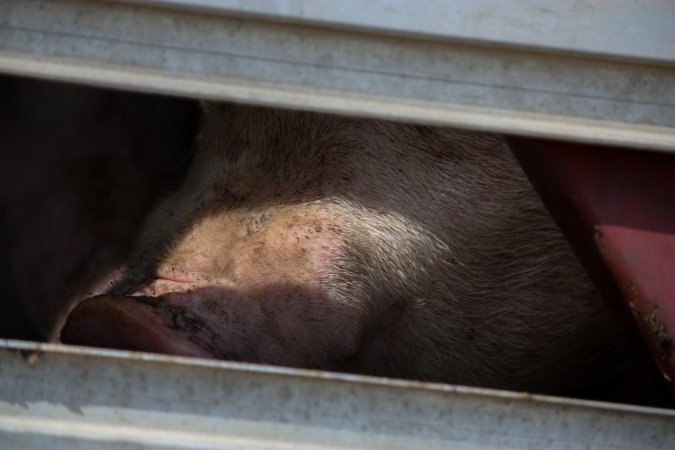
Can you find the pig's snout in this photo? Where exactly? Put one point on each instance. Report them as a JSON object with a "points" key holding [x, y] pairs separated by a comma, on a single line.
{"points": [[247, 287], [129, 323], [278, 323]]}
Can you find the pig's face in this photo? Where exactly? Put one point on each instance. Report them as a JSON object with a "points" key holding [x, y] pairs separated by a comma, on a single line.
{"points": [[317, 241]]}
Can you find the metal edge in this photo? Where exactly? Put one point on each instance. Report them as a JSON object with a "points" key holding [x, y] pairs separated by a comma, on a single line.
{"points": [[31, 349], [302, 13], [484, 119]]}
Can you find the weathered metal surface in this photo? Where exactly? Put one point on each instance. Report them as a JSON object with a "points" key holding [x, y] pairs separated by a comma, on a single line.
{"points": [[300, 59], [617, 209], [637, 30], [60, 397]]}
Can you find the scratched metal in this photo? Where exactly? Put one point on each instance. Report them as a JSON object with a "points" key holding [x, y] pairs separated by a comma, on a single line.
{"points": [[299, 59], [638, 30], [60, 397]]}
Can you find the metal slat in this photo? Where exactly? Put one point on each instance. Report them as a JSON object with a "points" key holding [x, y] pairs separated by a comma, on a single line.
{"points": [[67, 397], [393, 73], [634, 29]]}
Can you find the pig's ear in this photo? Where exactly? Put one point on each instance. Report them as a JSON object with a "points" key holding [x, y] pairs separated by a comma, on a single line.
{"points": [[124, 323]]}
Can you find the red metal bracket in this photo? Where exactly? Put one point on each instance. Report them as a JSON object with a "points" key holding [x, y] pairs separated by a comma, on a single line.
{"points": [[617, 209]]}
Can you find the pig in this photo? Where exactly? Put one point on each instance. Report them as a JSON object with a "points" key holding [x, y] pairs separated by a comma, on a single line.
{"points": [[317, 241]]}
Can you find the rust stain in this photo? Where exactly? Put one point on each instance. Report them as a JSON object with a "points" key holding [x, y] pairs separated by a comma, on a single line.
{"points": [[656, 325], [30, 356], [634, 309]]}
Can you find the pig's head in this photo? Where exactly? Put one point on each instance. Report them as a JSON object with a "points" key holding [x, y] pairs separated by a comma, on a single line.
{"points": [[316, 241]]}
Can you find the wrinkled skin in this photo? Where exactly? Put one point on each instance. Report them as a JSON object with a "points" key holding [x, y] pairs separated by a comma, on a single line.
{"points": [[318, 241]]}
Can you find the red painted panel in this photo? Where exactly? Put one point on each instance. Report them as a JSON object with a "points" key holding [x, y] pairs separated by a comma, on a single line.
{"points": [[617, 209]]}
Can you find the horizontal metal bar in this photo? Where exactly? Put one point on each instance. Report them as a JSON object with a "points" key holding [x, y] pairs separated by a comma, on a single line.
{"points": [[57, 397], [634, 30], [290, 64]]}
